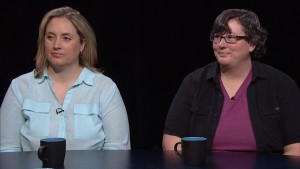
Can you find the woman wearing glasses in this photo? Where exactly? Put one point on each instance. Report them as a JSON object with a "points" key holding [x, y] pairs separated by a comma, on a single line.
{"points": [[238, 103]]}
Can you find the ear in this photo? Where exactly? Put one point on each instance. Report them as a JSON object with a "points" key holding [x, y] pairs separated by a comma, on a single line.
{"points": [[252, 47], [83, 42]]}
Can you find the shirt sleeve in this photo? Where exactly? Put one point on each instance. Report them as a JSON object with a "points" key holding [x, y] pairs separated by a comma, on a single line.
{"points": [[177, 121], [11, 120], [115, 121], [289, 99]]}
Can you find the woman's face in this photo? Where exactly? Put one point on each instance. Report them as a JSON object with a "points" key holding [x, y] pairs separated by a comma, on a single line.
{"points": [[232, 54], [62, 43]]}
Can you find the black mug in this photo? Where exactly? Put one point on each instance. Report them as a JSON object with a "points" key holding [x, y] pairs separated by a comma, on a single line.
{"points": [[193, 150], [52, 152]]}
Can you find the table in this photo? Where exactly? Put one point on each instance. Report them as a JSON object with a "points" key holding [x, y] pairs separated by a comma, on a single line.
{"points": [[150, 159]]}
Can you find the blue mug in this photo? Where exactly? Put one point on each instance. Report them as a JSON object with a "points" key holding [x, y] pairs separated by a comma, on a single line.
{"points": [[193, 150], [52, 152]]}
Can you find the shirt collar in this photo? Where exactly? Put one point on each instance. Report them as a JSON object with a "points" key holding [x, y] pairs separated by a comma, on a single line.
{"points": [[86, 76], [43, 77], [212, 73], [257, 71]]}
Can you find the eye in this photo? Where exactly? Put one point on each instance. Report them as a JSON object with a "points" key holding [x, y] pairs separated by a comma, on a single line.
{"points": [[231, 37], [50, 37], [217, 36], [66, 38]]}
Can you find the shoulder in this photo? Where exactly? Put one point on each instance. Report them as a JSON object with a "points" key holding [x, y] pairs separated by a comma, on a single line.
{"points": [[200, 77], [102, 78], [263, 70], [94, 78], [273, 76], [24, 78], [99, 81], [206, 72], [23, 83]]}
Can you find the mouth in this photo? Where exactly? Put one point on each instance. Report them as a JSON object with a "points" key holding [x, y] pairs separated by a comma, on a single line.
{"points": [[222, 54], [55, 54]]}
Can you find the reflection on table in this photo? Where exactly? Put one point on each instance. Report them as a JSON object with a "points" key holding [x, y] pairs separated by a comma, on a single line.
{"points": [[150, 159]]}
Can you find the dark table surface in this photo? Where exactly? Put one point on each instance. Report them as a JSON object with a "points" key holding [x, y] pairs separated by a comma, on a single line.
{"points": [[150, 159]]}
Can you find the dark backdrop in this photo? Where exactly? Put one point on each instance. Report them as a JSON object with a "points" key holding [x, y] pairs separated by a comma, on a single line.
{"points": [[147, 47]]}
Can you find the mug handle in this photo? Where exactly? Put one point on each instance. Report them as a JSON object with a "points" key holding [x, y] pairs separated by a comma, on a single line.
{"points": [[41, 152], [176, 151]]}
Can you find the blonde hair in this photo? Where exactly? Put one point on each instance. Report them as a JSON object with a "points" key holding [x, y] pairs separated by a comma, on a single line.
{"points": [[88, 57]]}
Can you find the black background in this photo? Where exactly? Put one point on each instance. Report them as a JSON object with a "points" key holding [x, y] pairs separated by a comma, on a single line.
{"points": [[147, 47]]}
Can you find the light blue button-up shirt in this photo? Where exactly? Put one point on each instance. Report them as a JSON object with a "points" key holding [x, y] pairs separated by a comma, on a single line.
{"points": [[92, 117]]}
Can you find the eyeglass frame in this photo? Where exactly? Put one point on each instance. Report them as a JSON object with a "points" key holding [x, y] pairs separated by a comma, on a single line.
{"points": [[236, 37]]}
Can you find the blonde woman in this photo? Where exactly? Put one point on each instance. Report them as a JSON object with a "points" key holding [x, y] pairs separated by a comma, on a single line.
{"points": [[65, 95]]}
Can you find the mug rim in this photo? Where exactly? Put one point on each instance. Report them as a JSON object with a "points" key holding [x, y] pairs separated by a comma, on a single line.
{"points": [[53, 139], [193, 138]]}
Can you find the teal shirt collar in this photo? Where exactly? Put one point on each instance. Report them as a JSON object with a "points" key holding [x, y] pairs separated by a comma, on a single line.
{"points": [[86, 76]]}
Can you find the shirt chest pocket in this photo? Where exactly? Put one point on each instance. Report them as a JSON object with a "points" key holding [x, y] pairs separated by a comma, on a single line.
{"points": [[87, 124], [271, 115], [272, 122], [37, 117]]}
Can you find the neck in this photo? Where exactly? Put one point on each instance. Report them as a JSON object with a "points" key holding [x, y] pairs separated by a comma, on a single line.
{"points": [[236, 72], [64, 75]]}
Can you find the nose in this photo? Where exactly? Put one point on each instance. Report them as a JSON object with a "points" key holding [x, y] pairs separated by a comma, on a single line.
{"points": [[56, 44], [222, 42]]}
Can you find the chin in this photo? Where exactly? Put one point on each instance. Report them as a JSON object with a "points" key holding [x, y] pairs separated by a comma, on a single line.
{"points": [[223, 61]]}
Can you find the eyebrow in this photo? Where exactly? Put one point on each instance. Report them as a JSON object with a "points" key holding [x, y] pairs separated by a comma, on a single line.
{"points": [[63, 34]]}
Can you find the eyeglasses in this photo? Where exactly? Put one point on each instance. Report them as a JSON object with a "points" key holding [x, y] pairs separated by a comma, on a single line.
{"points": [[228, 38]]}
